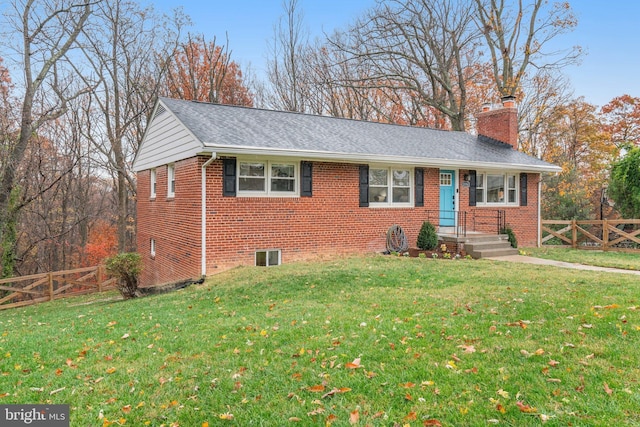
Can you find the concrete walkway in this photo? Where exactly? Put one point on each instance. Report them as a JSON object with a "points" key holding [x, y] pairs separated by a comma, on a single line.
{"points": [[561, 264]]}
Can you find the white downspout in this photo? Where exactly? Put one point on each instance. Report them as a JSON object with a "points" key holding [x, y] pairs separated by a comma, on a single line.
{"points": [[203, 216], [539, 237]]}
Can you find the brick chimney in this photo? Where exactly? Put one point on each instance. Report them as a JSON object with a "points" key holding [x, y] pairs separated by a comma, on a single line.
{"points": [[500, 123]]}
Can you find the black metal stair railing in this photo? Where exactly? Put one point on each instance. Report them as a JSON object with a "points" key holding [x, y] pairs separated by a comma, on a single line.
{"points": [[484, 220]]}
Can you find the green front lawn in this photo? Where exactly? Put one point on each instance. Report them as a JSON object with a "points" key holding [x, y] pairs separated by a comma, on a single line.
{"points": [[359, 341], [612, 259]]}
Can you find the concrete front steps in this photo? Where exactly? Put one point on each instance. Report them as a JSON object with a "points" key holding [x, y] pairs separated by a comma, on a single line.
{"points": [[483, 245], [487, 246]]}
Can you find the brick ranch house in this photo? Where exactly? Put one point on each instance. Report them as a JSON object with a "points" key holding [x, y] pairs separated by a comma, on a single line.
{"points": [[221, 186]]}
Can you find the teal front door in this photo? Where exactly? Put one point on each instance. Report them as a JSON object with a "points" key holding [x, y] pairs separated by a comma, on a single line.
{"points": [[447, 198]]}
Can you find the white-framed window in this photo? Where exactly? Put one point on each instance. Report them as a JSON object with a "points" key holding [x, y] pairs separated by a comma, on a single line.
{"points": [[480, 189], [171, 180], [153, 184], [494, 188], [268, 257], [446, 179], [390, 186], [267, 178], [152, 247]]}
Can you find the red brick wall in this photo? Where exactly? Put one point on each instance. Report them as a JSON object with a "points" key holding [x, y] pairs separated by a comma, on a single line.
{"points": [[523, 220], [174, 224], [329, 223]]}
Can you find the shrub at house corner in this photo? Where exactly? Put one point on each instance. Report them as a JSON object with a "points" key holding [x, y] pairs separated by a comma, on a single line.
{"points": [[126, 268]]}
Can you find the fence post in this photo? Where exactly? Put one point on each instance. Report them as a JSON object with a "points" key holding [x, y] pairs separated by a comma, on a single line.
{"points": [[50, 280], [99, 277], [574, 234], [605, 235]]}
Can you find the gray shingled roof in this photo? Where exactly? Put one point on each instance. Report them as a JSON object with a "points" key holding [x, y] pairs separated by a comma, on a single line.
{"points": [[231, 129]]}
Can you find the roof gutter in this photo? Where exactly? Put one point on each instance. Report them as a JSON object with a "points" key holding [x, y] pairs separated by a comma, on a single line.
{"points": [[203, 215], [377, 158]]}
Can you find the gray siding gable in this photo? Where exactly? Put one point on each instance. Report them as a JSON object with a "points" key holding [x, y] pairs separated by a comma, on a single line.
{"points": [[166, 140]]}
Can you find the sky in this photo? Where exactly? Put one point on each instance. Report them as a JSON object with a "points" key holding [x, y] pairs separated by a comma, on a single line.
{"points": [[607, 31]]}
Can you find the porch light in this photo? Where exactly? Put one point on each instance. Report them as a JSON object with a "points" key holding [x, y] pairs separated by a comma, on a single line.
{"points": [[466, 177]]}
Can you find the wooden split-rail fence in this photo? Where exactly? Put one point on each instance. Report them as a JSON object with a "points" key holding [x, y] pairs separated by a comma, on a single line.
{"points": [[36, 288], [606, 235]]}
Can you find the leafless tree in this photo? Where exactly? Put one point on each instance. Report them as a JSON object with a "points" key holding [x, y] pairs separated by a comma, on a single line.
{"points": [[419, 47], [286, 69], [59, 179], [541, 95], [517, 34], [47, 31], [121, 47]]}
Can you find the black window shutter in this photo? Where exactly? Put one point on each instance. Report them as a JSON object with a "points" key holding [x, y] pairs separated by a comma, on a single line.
{"points": [[473, 183], [364, 186], [523, 189], [419, 183], [229, 177], [306, 186]]}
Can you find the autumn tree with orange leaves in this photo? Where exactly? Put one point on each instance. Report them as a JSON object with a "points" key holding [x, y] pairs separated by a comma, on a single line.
{"points": [[621, 118], [203, 71], [575, 140]]}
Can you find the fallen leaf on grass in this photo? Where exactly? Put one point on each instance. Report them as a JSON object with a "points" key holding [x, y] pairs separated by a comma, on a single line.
{"points": [[407, 385], [553, 362], [468, 348], [111, 370], [56, 391], [434, 423], [226, 416], [354, 417], [503, 393], [521, 324], [336, 391], [411, 416], [316, 388], [353, 365], [316, 411], [525, 408], [607, 389]]}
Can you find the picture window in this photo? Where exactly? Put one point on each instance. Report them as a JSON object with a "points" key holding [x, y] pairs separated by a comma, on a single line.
{"points": [[267, 178]]}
